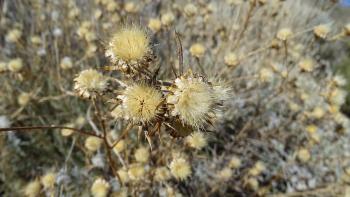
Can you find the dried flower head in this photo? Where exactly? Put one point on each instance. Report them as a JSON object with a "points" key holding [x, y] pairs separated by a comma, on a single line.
{"points": [[284, 34], [235, 162], [193, 100], [67, 132], [231, 59], [307, 64], [130, 7], [13, 35], [120, 146], [100, 188], [48, 180], [15, 65], [304, 155], [90, 82], [180, 168], [93, 143], [32, 189], [123, 175], [142, 154], [224, 174], [321, 31], [347, 29], [66, 63], [140, 102], [3, 67], [36, 40], [252, 183], [258, 168], [190, 10], [167, 19], [266, 74], [154, 24], [136, 171], [162, 174], [24, 98], [129, 48], [197, 50], [197, 140]]}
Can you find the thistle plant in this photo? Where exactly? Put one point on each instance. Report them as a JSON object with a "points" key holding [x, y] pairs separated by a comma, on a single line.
{"points": [[172, 98]]}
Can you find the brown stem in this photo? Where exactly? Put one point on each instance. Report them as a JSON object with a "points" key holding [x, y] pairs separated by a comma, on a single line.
{"points": [[111, 161], [124, 133], [99, 116]]}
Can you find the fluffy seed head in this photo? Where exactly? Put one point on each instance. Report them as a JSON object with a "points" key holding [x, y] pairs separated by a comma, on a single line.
{"points": [[13, 35], [304, 155], [67, 132], [23, 99], [136, 172], [167, 19], [66, 63], [231, 59], [307, 64], [15, 65], [197, 50], [180, 168], [196, 140], [142, 154], [347, 29], [130, 7], [129, 44], [266, 75], [93, 143], [284, 34], [32, 189], [120, 146], [3, 66], [123, 175], [154, 24], [89, 82], [162, 174], [100, 188], [48, 180], [224, 174], [235, 162], [193, 100], [258, 168], [190, 10], [140, 102], [321, 31]]}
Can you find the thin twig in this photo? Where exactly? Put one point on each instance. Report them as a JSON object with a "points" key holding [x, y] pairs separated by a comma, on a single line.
{"points": [[48, 127], [124, 133], [180, 53]]}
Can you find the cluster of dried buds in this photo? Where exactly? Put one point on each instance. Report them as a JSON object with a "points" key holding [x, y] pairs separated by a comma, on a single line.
{"points": [[183, 105]]}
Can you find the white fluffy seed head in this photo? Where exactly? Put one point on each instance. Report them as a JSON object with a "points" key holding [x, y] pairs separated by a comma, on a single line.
{"points": [[193, 100], [321, 31], [162, 174], [197, 140], [140, 102], [284, 34], [89, 82], [93, 143], [136, 172], [130, 44], [142, 154], [48, 180], [197, 50], [180, 168], [32, 189], [100, 188]]}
